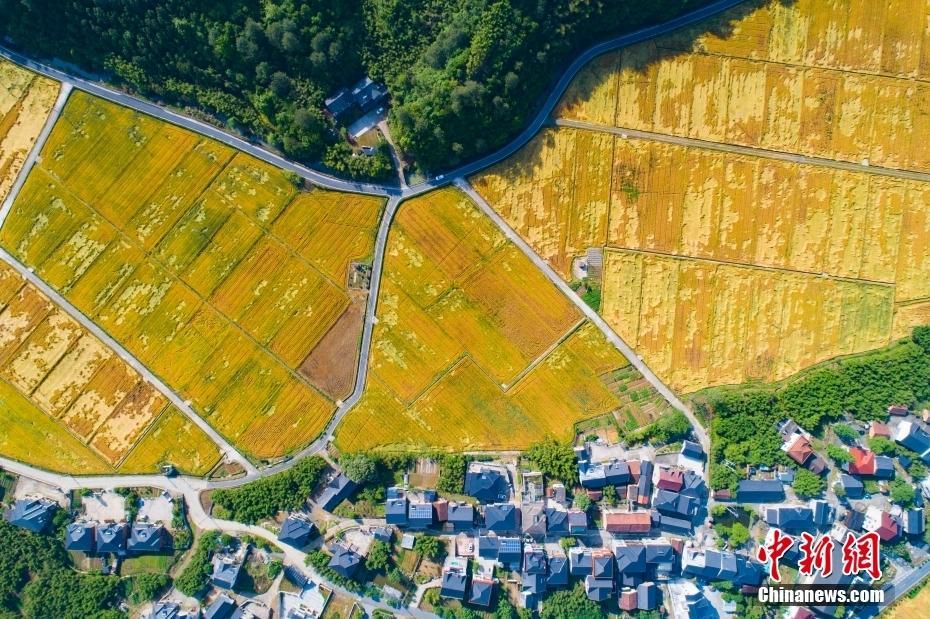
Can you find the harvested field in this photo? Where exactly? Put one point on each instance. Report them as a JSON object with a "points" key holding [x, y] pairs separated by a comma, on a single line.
{"points": [[841, 79], [333, 363], [26, 99], [211, 267], [473, 347], [173, 439], [85, 407]]}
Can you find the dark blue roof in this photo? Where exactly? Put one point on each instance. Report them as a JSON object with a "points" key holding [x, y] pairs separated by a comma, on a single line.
{"points": [[790, 518], [488, 486], [598, 589], [147, 538], [481, 592], [647, 596], [80, 536], [225, 571], [453, 584], [336, 491], [534, 561], [510, 549], [760, 491], [558, 571], [221, 608], [692, 450], [345, 560], [33, 514], [501, 517], [395, 511], [675, 504], [556, 521], [462, 515], [420, 514], [631, 558], [111, 537], [166, 610], [296, 531]]}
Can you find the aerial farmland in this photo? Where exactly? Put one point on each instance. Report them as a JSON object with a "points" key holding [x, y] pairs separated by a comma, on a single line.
{"points": [[707, 250], [475, 349], [75, 406], [217, 271], [25, 102]]}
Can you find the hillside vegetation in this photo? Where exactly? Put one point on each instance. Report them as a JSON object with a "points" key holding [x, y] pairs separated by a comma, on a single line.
{"points": [[464, 75]]}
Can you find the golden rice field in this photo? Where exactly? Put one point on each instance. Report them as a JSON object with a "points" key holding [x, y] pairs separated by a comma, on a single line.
{"points": [[700, 243], [25, 102], [70, 404], [210, 267], [473, 347], [841, 79], [176, 439], [845, 245]]}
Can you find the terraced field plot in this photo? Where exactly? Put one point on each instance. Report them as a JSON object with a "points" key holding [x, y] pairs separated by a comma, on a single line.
{"points": [[69, 403], [474, 347], [841, 79], [210, 267], [721, 268], [25, 102]]}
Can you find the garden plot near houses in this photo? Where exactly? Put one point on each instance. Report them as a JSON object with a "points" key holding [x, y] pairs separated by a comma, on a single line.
{"points": [[70, 404], [26, 99], [212, 268], [841, 79], [474, 348]]}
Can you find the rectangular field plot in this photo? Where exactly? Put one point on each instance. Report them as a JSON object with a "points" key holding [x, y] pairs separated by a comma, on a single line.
{"points": [[491, 356], [65, 386], [211, 267], [25, 102], [172, 439], [843, 79], [700, 323]]}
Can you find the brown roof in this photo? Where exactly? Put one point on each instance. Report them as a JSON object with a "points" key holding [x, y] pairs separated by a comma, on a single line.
{"points": [[800, 450], [628, 599], [442, 509], [634, 469], [628, 522], [879, 429], [671, 480], [897, 409]]}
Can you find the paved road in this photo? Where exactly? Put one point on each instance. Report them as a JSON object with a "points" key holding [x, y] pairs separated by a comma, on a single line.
{"points": [[326, 180], [228, 450], [588, 312], [745, 150], [394, 194], [33, 155]]}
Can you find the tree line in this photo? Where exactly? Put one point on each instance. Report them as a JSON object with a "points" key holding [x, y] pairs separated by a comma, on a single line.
{"points": [[465, 75]]}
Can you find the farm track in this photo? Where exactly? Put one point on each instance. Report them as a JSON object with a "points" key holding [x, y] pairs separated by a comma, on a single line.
{"points": [[395, 195], [751, 151]]}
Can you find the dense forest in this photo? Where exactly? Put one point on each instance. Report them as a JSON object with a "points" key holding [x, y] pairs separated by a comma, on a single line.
{"points": [[37, 581], [464, 75], [743, 418]]}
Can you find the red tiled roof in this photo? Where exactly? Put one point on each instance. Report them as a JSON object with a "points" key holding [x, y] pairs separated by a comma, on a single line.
{"points": [[800, 450], [803, 613], [671, 480], [863, 461], [888, 530], [897, 409], [634, 469], [628, 522], [879, 429]]}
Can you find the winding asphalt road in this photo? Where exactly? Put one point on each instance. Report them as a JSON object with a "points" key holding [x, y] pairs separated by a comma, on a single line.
{"points": [[326, 180]]}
